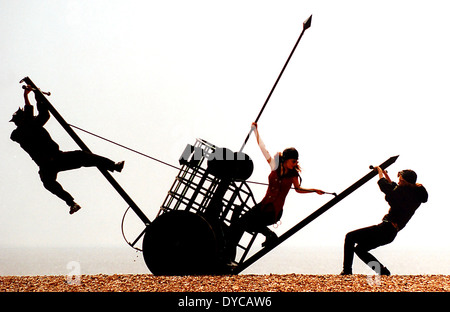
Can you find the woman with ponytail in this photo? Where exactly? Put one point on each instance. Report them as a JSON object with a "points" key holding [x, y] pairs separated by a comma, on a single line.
{"points": [[285, 173]]}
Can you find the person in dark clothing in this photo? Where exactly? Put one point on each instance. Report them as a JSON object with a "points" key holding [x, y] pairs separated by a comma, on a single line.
{"points": [[284, 173], [403, 198], [37, 142]]}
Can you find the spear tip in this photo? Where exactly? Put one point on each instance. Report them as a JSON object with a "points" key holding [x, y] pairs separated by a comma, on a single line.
{"points": [[307, 23]]}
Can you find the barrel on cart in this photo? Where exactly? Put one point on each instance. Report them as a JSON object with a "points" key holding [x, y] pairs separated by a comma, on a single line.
{"points": [[210, 192]]}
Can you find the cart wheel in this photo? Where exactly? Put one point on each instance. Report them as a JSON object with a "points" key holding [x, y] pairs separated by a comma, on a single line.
{"points": [[180, 243]]}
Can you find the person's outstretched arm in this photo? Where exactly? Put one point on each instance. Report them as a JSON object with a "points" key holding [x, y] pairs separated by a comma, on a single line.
{"points": [[270, 160]]}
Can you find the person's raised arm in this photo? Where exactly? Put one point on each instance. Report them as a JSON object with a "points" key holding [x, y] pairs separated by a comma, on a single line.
{"points": [[25, 95], [383, 174], [386, 185], [44, 114], [262, 147]]}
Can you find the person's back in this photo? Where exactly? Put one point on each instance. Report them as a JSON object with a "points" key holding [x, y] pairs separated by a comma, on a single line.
{"points": [[32, 136], [403, 199]]}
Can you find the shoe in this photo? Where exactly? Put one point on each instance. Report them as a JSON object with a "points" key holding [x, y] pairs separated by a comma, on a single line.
{"points": [[270, 239], [346, 272], [74, 208], [384, 271], [119, 166]]}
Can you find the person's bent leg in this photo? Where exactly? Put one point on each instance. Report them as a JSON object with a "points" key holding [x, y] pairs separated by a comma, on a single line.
{"points": [[77, 159], [382, 234], [349, 245], [48, 179], [371, 261], [271, 237], [351, 239]]}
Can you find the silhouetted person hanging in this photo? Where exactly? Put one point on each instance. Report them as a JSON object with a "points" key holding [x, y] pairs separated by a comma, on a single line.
{"points": [[37, 142], [403, 198]]}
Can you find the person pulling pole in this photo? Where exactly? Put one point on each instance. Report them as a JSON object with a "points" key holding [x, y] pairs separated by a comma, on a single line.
{"points": [[403, 198]]}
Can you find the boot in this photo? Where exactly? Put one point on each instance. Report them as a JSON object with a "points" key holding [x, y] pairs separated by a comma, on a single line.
{"points": [[74, 208], [271, 238], [346, 272], [119, 166], [384, 271]]}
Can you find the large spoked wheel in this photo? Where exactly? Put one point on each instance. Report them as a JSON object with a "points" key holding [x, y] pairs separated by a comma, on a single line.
{"points": [[180, 243]]}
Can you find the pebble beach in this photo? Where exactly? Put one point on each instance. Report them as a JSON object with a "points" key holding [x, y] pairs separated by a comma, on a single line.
{"points": [[226, 283]]}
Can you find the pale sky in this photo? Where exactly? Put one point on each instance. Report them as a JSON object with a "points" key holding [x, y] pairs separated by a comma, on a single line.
{"points": [[368, 81]]}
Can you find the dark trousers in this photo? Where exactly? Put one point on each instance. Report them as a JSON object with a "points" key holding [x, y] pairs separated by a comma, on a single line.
{"points": [[67, 161], [362, 240], [255, 220]]}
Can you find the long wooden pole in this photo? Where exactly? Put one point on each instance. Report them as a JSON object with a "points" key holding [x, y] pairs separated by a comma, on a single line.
{"points": [[306, 25]]}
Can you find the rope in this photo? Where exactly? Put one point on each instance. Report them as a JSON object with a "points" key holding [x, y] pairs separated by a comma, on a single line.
{"points": [[150, 157], [140, 153], [125, 147]]}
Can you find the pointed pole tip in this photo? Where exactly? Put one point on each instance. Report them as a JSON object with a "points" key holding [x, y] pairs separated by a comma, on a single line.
{"points": [[307, 23], [25, 78]]}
